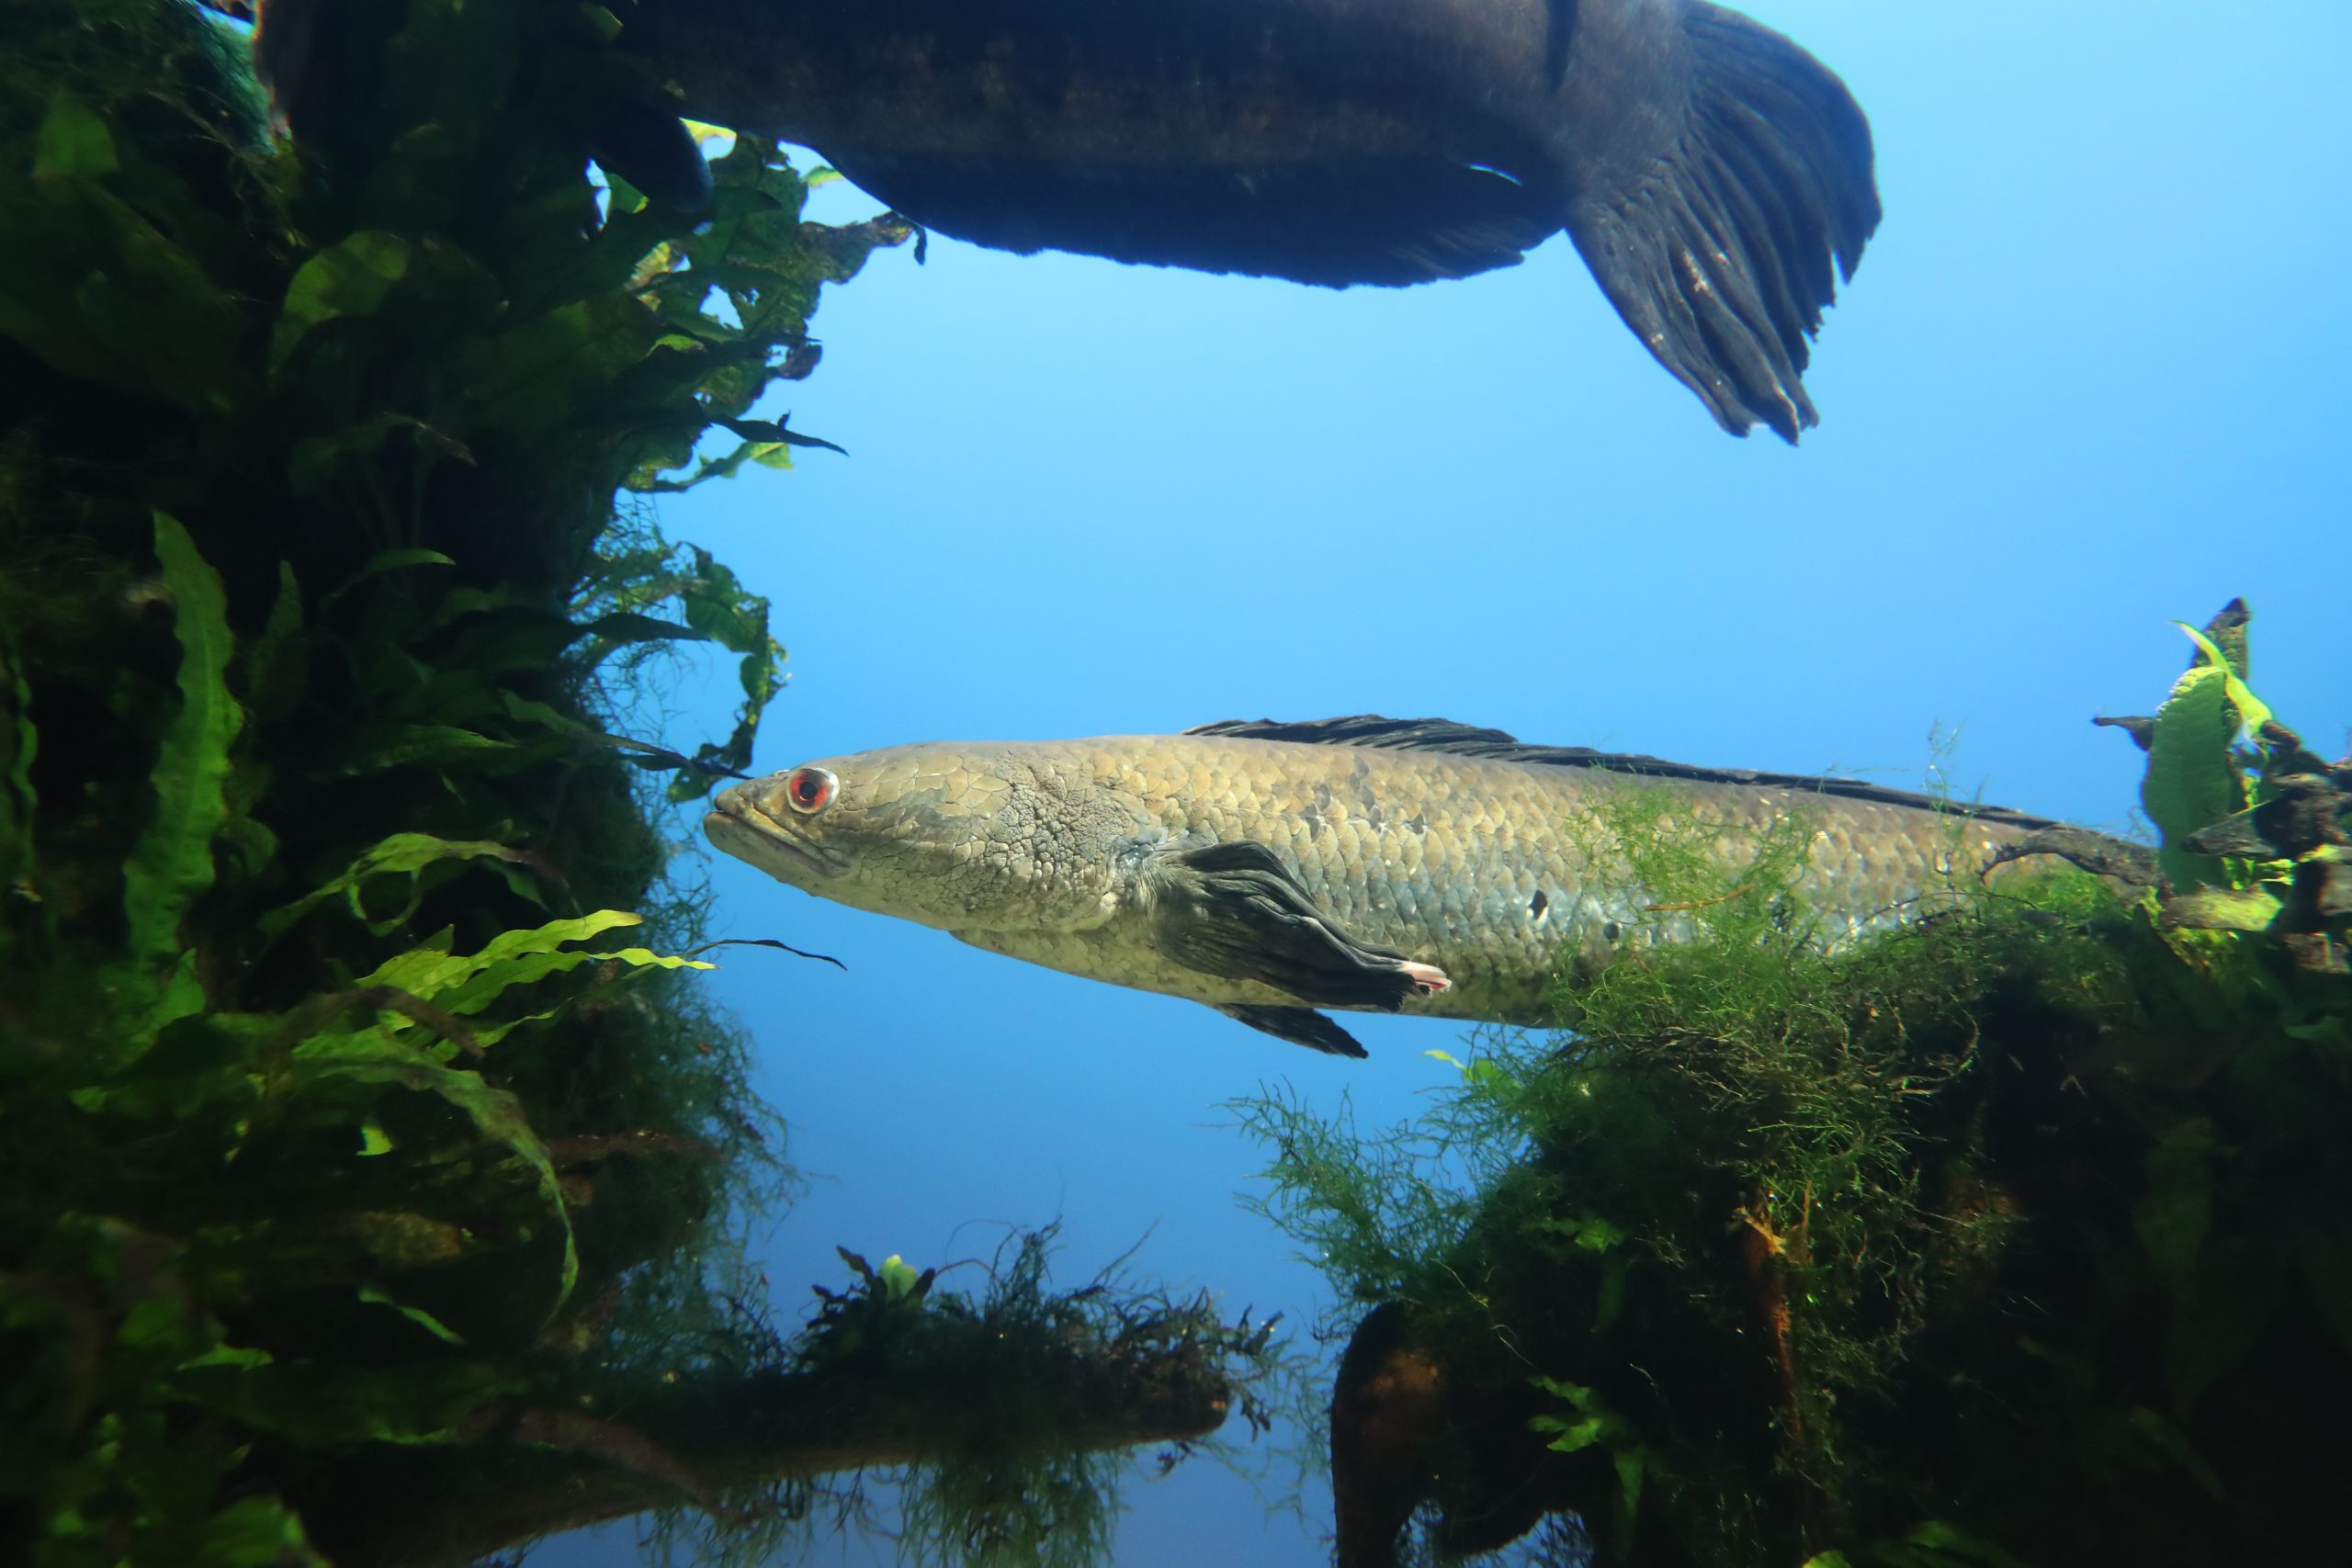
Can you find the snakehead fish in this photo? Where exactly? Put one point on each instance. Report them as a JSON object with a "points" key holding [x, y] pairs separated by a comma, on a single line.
{"points": [[1710, 170], [1365, 864]]}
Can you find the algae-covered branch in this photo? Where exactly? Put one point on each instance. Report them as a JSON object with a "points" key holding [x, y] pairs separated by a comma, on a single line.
{"points": [[372, 1170], [2022, 1235]]}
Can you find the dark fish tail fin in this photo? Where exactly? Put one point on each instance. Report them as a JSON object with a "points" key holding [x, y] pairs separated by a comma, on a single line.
{"points": [[1717, 249]]}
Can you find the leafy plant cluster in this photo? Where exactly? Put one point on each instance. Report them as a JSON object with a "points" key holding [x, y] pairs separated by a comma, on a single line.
{"points": [[365, 1166], [2018, 1236]]}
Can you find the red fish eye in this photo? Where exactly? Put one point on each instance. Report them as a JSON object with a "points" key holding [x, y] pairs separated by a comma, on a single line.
{"points": [[808, 789]]}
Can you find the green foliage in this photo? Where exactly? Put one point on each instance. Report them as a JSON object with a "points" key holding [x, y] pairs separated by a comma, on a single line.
{"points": [[2258, 831], [331, 1119], [1953, 1246], [363, 1196], [2192, 780], [170, 864]]}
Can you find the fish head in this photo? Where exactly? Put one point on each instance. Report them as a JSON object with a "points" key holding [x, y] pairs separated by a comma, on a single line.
{"points": [[960, 837]]}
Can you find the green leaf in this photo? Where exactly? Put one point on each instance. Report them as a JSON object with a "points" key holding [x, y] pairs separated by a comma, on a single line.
{"points": [[322, 1404], [170, 864], [717, 606], [2240, 1282], [603, 23], [2177, 1212], [401, 854], [388, 560], [19, 742], [95, 290], [253, 1532], [2253, 712], [469, 983], [398, 745], [418, 1315], [351, 277], [1590, 1232], [277, 664], [314, 464], [2190, 782], [537, 374], [623, 627], [377, 1058], [74, 141], [2169, 1441], [1595, 1425], [1942, 1535]]}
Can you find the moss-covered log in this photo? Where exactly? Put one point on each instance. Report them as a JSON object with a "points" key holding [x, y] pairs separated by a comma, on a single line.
{"points": [[1019, 1382]]}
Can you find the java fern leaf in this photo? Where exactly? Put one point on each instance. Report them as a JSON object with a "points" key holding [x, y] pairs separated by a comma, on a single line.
{"points": [[170, 864], [404, 854], [18, 744], [468, 984], [370, 1058], [397, 1050], [2190, 784]]}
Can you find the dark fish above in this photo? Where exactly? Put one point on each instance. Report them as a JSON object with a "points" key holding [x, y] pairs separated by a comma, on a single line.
{"points": [[1366, 863], [1713, 175]]}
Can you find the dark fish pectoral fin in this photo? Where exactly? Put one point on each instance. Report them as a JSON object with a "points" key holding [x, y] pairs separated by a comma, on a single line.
{"points": [[1388, 221], [1235, 911], [1717, 251], [1300, 1026]]}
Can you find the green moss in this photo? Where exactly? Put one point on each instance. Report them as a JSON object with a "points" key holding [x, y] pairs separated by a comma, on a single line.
{"points": [[1959, 1240]]}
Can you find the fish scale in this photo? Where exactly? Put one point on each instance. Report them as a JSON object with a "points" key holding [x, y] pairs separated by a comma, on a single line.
{"points": [[1074, 854]]}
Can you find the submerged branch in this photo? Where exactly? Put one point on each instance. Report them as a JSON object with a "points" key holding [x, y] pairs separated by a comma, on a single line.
{"points": [[979, 1395]]}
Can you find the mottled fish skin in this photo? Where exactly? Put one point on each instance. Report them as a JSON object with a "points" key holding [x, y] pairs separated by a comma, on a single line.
{"points": [[1483, 868], [1232, 83]]}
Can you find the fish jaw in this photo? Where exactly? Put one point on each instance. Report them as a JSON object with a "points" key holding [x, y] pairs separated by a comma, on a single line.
{"points": [[741, 829]]}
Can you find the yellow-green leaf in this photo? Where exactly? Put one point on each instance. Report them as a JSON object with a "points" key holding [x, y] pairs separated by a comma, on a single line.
{"points": [[350, 279], [74, 141]]}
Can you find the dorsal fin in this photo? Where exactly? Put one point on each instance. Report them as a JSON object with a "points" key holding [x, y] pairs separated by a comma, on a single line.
{"points": [[1371, 730]]}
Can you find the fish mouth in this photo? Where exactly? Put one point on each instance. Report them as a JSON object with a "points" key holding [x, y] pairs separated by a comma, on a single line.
{"points": [[748, 833]]}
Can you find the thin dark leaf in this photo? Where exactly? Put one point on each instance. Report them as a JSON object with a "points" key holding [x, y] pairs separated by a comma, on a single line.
{"points": [[759, 430], [768, 942]]}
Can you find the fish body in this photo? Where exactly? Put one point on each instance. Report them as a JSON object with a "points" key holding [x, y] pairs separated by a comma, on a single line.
{"points": [[1367, 865], [1708, 169], [1715, 176]]}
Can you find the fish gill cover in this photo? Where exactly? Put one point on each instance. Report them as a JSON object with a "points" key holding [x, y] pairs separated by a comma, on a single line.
{"points": [[372, 1171]]}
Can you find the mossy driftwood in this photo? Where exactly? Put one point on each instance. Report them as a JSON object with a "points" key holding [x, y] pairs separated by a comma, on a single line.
{"points": [[2023, 1236], [369, 1170]]}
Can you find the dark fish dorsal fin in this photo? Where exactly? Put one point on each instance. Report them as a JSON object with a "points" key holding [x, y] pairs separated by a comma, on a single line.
{"points": [[1370, 729]]}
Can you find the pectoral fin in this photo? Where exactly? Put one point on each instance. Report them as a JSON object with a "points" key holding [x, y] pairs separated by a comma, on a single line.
{"points": [[1300, 1026], [1235, 911]]}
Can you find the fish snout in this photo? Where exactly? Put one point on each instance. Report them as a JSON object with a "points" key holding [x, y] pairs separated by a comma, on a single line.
{"points": [[742, 824]]}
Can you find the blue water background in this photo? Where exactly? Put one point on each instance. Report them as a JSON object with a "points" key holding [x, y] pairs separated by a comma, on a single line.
{"points": [[2091, 376]]}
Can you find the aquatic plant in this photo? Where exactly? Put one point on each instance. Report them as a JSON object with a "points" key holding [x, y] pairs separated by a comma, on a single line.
{"points": [[371, 1168], [2018, 1236]]}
